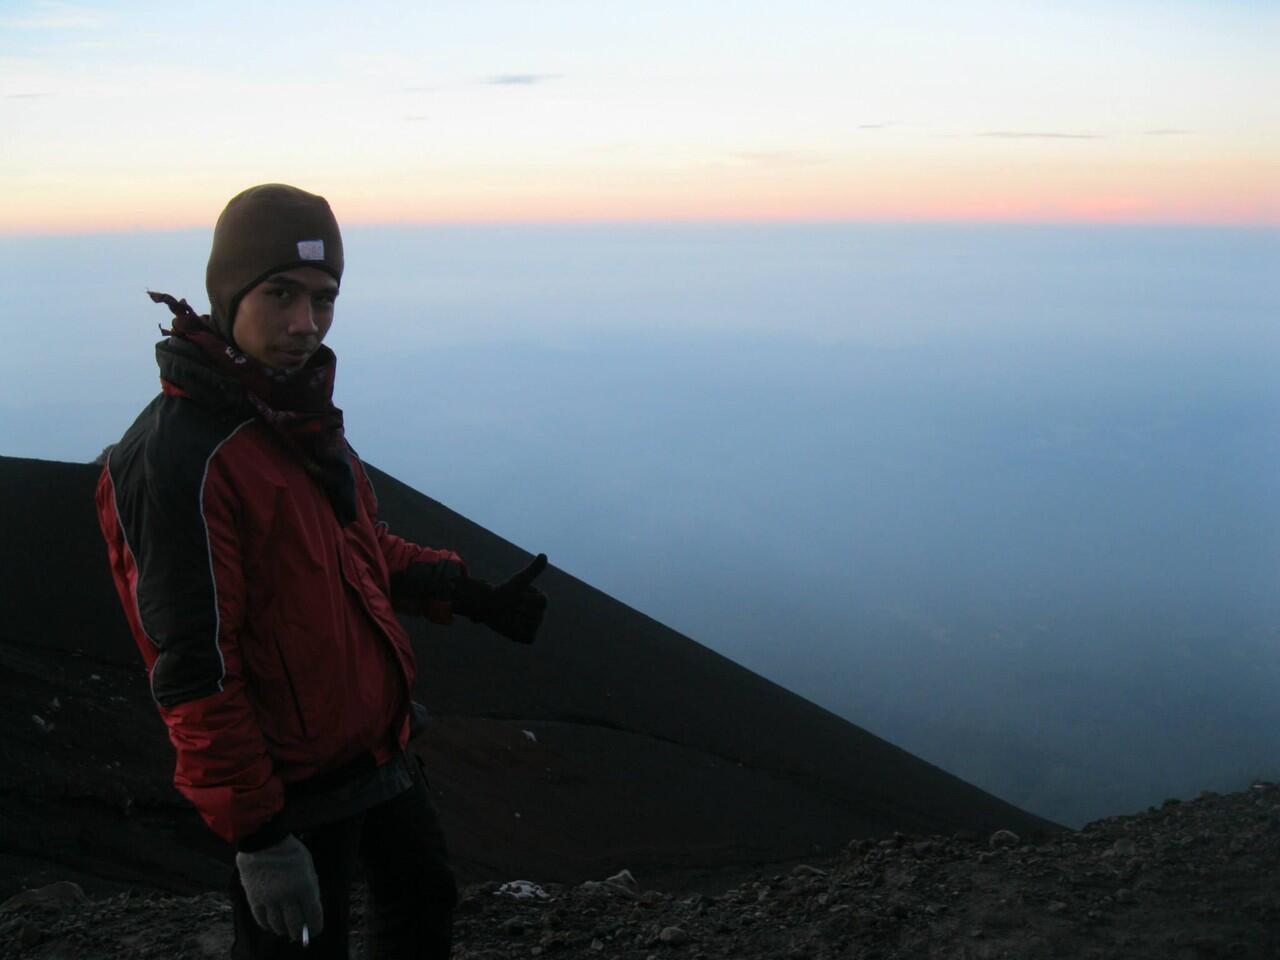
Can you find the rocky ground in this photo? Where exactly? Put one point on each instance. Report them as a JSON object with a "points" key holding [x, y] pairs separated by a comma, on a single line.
{"points": [[1196, 879]]}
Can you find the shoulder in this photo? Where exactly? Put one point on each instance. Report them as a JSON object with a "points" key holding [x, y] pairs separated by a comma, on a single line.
{"points": [[166, 454]]}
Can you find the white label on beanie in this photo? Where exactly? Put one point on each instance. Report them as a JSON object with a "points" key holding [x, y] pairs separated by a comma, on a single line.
{"points": [[310, 249]]}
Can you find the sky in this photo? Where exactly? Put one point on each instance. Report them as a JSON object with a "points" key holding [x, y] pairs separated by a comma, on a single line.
{"points": [[150, 115]]}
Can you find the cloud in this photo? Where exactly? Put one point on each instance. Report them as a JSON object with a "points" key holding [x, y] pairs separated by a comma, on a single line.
{"points": [[416, 118], [56, 16], [1039, 135], [519, 79], [26, 96], [1166, 132], [875, 126]]}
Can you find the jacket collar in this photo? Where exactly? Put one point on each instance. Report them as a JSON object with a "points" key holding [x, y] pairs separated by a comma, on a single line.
{"points": [[183, 365]]}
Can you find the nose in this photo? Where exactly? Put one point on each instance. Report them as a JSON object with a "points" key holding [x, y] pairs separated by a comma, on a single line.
{"points": [[302, 320]]}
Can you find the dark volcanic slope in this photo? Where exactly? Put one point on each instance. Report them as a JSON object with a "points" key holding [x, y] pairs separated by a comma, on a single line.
{"points": [[614, 742]]}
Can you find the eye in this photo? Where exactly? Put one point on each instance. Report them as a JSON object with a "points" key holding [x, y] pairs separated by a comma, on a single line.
{"points": [[324, 299], [281, 295]]}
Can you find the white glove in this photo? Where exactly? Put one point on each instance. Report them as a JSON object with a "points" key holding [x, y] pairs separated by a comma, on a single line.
{"points": [[281, 886]]}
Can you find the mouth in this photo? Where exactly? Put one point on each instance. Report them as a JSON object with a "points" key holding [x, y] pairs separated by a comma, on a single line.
{"points": [[293, 357]]}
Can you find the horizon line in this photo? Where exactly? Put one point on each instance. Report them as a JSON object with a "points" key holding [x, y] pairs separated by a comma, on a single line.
{"points": [[19, 232]]}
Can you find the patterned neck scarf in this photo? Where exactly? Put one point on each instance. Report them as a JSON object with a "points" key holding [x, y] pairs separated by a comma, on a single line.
{"points": [[296, 404]]}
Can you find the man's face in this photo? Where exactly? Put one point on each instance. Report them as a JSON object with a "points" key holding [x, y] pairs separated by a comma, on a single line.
{"points": [[282, 321]]}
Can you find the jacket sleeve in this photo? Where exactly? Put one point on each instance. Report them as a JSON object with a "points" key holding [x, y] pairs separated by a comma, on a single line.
{"points": [[174, 551], [422, 578]]}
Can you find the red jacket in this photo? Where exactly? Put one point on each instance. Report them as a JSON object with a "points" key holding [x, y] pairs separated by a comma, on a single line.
{"points": [[266, 625]]}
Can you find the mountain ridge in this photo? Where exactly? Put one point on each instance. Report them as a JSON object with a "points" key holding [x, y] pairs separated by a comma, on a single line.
{"points": [[614, 741]]}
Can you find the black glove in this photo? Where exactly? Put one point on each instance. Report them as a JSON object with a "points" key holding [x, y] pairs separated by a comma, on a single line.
{"points": [[513, 609]]}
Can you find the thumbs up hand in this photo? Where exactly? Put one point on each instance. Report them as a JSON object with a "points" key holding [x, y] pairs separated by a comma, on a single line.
{"points": [[512, 608]]}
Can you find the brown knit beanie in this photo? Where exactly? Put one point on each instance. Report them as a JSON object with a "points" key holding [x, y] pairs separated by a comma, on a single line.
{"points": [[264, 230]]}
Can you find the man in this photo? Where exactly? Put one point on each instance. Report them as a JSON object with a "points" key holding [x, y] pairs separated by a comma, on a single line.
{"points": [[262, 591]]}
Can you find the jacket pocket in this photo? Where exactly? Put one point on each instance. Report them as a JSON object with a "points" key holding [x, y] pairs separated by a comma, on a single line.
{"points": [[293, 689]]}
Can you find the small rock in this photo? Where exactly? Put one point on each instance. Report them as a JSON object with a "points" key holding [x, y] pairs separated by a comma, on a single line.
{"points": [[530, 735], [1002, 839], [1124, 895], [673, 935], [61, 894], [1124, 847], [805, 870], [514, 927], [621, 884], [623, 878], [1056, 906]]}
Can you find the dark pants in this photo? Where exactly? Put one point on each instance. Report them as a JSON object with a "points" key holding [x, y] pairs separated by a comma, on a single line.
{"points": [[409, 914]]}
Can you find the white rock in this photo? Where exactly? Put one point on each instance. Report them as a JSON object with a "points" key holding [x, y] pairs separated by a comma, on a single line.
{"points": [[522, 890]]}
